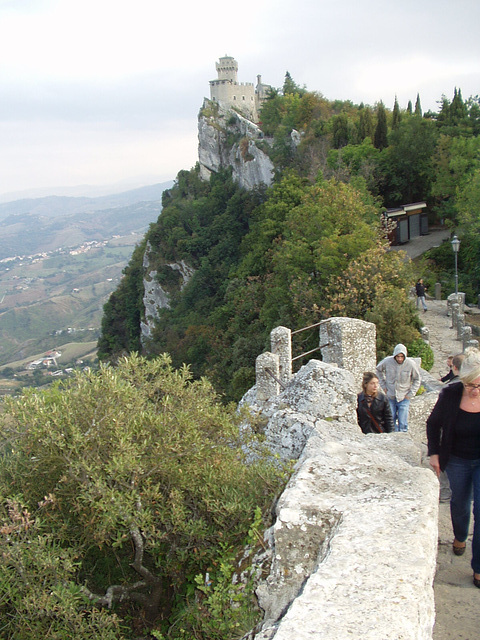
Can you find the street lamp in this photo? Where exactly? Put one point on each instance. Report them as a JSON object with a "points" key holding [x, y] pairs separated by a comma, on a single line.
{"points": [[456, 247]]}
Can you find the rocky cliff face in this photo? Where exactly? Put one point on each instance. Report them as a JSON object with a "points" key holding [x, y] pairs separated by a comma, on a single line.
{"points": [[155, 296], [227, 139]]}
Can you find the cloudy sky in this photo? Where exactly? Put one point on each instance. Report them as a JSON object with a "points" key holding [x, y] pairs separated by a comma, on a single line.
{"points": [[103, 92]]}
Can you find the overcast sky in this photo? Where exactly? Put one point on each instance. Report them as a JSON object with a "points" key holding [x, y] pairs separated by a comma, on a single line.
{"points": [[101, 92]]}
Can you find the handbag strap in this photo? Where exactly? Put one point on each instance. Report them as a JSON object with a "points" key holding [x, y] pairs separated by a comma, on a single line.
{"points": [[380, 430]]}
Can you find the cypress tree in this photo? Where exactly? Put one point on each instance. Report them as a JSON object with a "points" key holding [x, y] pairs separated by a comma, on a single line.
{"points": [[418, 107], [409, 107], [365, 124], [289, 85], [396, 115], [380, 138], [457, 108]]}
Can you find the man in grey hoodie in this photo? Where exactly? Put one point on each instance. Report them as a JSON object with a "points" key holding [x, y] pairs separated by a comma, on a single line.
{"points": [[400, 378]]}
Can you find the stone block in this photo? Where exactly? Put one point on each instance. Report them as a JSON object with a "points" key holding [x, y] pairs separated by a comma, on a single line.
{"points": [[267, 372], [351, 344]]}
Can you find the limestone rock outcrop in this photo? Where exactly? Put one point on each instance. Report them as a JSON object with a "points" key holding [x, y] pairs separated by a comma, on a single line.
{"points": [[155, 296], [228, 139]]}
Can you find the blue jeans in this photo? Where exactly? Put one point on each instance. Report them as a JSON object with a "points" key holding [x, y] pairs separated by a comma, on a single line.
{"points": [[400, 414], [422, 300], [464, 477]]}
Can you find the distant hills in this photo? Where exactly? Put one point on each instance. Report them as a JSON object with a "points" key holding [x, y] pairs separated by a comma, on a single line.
{"points": [[54, 206], [35, 225], [60, 259]]}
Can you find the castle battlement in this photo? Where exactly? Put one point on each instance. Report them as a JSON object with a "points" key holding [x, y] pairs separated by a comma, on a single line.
{"points": [[227, 91]]}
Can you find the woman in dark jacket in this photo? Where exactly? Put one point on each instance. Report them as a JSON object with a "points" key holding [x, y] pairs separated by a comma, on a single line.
{"points": [[453, 433], [373, 408]]}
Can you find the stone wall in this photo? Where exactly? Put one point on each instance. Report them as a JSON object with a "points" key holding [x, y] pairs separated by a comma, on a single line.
{"points": [[354, 541]]}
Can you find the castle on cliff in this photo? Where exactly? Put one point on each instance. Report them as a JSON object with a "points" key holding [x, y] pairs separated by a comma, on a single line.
{"points": [[243, 96]]}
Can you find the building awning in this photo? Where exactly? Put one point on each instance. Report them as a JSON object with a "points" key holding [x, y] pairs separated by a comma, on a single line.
{"points": [[406, 209]]}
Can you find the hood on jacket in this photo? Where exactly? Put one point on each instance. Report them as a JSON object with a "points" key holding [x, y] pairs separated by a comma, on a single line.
{"points": [[400, 348]]}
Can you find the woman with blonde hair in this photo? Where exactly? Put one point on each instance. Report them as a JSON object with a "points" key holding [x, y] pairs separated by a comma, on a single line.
{"points": [[373, 408], [453, 432]]}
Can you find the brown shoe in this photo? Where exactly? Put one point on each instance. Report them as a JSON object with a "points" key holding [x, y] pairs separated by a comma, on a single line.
{"points": [[476, 581]]}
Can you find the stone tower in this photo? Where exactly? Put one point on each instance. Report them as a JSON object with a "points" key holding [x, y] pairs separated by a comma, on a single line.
{"points": [[227, 69], [242, 96]]}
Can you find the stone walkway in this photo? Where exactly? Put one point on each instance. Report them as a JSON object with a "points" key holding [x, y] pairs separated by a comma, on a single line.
{"points": [[457, 601]]}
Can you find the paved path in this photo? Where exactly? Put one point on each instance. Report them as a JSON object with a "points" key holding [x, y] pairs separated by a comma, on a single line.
{"points": [[457, 601]]}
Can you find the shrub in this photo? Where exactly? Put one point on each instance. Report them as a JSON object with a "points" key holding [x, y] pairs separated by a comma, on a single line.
{"points": [[138, 476], [420, 349]]}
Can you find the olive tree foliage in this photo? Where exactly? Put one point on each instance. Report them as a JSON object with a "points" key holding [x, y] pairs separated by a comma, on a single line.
{"points": [[120, 486]]}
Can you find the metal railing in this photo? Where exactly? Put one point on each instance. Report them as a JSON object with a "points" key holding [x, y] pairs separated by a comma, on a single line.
{"points": [[307, 353], [272, 375]]}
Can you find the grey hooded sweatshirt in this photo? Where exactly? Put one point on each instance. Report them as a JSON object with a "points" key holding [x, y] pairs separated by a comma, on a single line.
{"points": [[400, 381]]}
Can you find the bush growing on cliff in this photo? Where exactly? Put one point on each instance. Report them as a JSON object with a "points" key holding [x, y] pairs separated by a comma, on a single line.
{"points": [[420, 349], [117, 489]]}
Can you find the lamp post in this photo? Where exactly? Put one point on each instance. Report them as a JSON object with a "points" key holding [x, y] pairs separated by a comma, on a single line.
{"points": [[456, 247]]}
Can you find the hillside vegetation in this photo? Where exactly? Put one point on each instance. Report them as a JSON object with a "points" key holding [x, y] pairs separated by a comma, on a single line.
{"points": [[310, 246]]}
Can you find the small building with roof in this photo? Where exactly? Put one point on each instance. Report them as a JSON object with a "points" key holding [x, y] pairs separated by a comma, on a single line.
{"points": [[406, 222]]}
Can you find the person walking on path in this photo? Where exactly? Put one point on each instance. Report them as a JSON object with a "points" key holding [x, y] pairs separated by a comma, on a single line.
{"points": [[456, 363], [400, 378], [453, 434], [373, 409], [420, 291]]}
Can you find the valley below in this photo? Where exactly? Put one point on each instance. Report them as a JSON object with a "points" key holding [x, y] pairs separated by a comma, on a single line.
{"points": [[56, 273]]}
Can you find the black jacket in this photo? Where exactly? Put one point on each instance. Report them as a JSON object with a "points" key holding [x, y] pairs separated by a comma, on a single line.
{"points": [[420, 289], [450, 375], [380, 410], [440, 422]]}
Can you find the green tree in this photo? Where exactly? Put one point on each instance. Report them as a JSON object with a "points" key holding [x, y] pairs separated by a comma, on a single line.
{"points": [[135, 478], [289, 86], [457, 108], [468, 203], [374, 288], [122, 313], [454, 161], [340, 131], [418, 106], [331, 226], [406, 164], [272, 112], [366, 128], [396, 115], [380, 140]]}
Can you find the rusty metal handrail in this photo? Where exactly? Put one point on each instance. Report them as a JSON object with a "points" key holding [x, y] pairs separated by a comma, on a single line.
{"points": [[312, 326], [311, 351], [270, 373]]}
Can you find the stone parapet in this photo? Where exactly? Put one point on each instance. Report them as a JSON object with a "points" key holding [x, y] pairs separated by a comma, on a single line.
{"points": [[372, 523], [351, 344], [354, 542]]}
